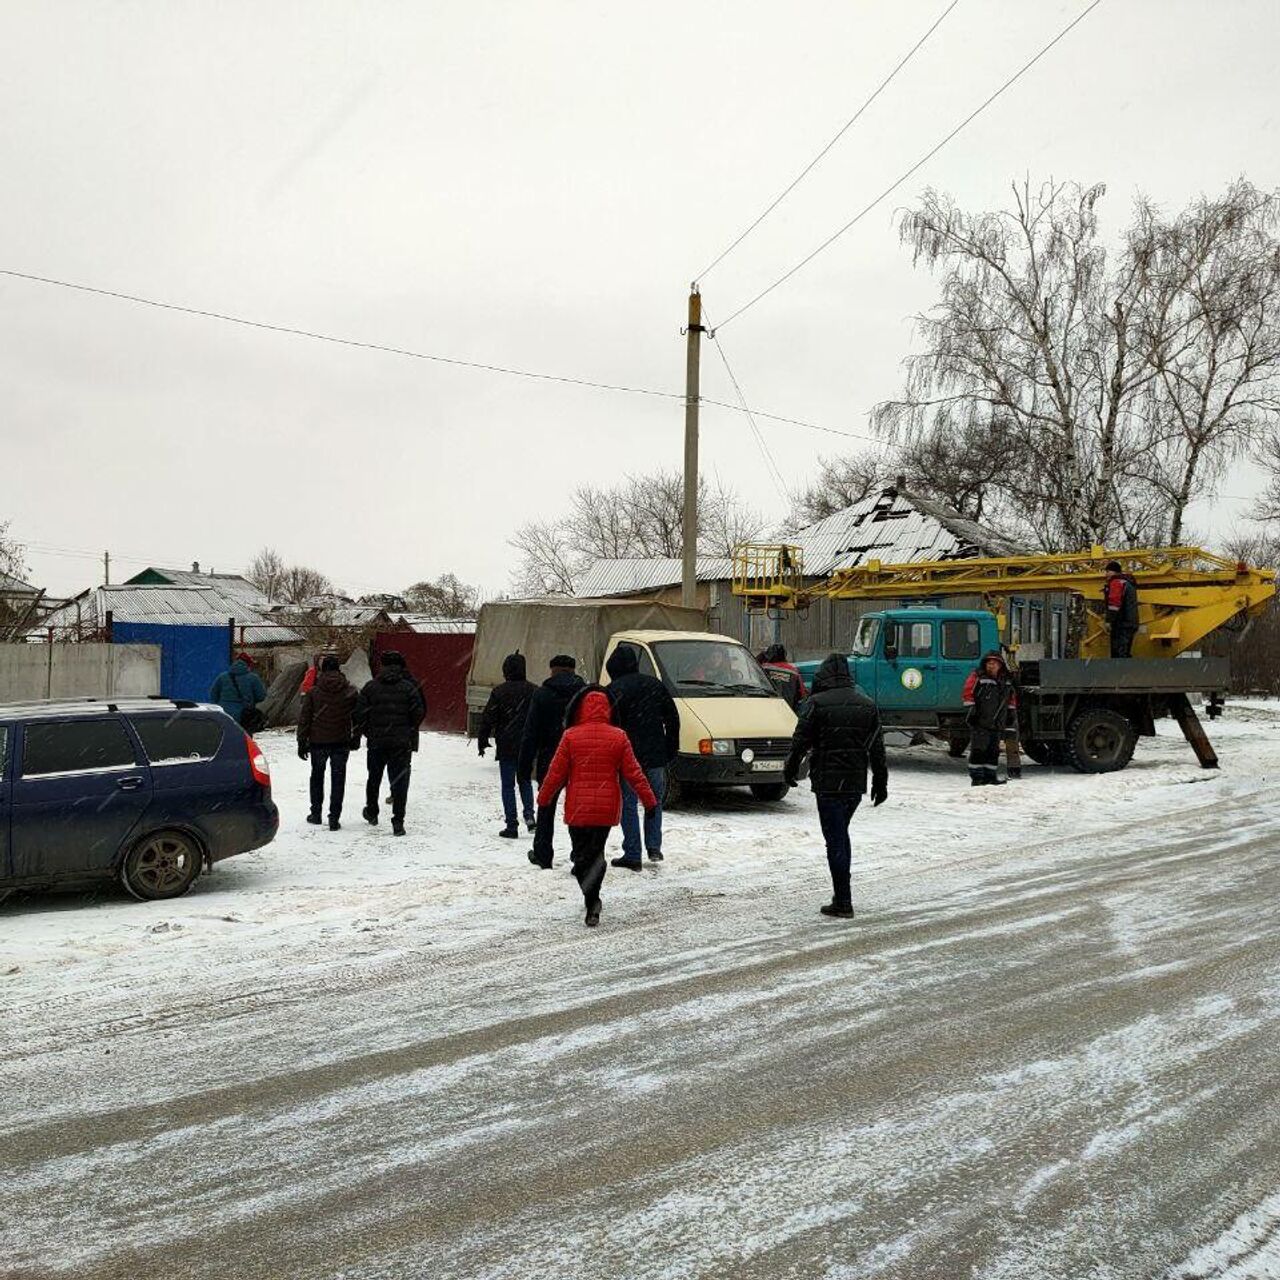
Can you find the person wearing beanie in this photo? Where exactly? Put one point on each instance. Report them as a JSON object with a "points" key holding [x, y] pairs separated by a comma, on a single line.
{"points": [[784, 675], [388, 713], [1120, 599], [591, 755], [840, 726], [503, 724], [542, 729], [326, 736], [992, 699]]}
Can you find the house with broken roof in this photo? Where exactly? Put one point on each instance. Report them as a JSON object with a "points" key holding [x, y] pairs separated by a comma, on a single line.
{"points": [[892, 526]]}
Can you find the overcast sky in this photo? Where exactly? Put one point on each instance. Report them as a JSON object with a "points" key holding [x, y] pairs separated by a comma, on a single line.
{"points": [[522, 183]]}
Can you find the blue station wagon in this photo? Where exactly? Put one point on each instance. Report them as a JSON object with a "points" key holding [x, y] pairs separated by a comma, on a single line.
{"points": [[148, 790]]}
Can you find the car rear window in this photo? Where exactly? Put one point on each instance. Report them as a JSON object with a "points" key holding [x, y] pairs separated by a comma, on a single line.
{"points": [[71, 746], [175, 738]]}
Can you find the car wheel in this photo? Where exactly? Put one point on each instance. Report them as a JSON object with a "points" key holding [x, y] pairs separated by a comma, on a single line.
{"points": [[162, 865], [770, 791], [1100, 740]]}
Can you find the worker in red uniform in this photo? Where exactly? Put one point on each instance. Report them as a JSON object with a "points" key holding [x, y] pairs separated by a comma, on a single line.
{"points": [[1120, 596], [593, 751], [785, 676]]}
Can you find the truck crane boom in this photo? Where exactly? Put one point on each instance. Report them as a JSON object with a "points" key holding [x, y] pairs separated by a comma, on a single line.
{"points": [[1184, 593]]}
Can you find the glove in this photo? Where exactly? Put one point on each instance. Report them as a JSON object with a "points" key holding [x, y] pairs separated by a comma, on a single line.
{"points": [[484, 746], [354, 744], [879, 793], [648, 813], [304, 751], [791, 779]]}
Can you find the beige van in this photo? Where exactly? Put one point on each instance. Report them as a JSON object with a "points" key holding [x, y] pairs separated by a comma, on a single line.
{"points": [[735, 728]]}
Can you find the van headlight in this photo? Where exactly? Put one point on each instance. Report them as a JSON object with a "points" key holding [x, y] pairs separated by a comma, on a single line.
{"points": [[716, 747]]}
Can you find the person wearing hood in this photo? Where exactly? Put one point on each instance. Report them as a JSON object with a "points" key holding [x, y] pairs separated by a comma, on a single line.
{"points": [[238, 690], [503, 724], [992, 698], [840, 727], [1120, 597], [646, 713], [592, 754], [388, 712], [542, 729], [326, 736], [785, 676]]}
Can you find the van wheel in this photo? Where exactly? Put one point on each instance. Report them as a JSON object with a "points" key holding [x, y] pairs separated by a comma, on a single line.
{"points": [[769, 791], [162, 865], [1100, 740], [675, 794]]}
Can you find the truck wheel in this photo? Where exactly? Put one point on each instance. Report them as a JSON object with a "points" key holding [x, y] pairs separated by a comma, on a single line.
{"points": [[1100, 740], [957, 745], [769, 791], [1048, 753], [162, 865]]}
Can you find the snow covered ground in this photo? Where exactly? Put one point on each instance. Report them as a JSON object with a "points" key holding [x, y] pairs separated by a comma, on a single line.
{"points": [[340, 1046]]}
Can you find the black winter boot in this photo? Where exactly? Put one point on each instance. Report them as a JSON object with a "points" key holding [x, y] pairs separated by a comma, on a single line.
{"points": [[978, 779], [837, 910], [994, 779], [314, 819], [510, 833], [370, 816]]}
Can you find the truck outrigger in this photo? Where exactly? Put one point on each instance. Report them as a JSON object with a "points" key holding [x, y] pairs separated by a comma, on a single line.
{"points": [[1086, 709]]}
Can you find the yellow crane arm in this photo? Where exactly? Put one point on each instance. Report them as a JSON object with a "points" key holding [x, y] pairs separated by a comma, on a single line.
{"points": [[1184, 593]]}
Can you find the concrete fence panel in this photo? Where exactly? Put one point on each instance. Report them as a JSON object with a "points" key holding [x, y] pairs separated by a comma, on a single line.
{"points": [[29, 672]]}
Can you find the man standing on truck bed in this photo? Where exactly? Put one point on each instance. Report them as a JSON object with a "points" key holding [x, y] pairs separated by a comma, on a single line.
{"points": [[992, 698], [1120, 595], [841, 727], [543, 727], [647, 714]]}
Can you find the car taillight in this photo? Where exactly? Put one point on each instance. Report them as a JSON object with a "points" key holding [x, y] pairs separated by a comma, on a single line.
{"points": [[258, 763]]}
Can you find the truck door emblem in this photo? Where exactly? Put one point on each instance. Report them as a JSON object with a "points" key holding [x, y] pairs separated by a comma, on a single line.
{"points": [[911, 678]]}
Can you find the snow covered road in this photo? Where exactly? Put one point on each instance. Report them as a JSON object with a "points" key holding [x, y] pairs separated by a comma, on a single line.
{"points": [[1046, 1048]]}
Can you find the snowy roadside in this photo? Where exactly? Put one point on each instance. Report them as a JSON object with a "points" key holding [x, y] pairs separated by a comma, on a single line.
{"points": [[451, 882]]}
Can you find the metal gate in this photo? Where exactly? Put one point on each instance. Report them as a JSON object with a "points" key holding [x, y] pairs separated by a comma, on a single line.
{"points": [[191, 658]]}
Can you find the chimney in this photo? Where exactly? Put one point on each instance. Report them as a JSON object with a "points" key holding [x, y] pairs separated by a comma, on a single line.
{"points": [[195, 566]]}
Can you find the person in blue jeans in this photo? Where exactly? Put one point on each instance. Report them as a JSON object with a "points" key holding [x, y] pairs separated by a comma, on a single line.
{"points": [[503, 724], [647, 714], [840, 726]]}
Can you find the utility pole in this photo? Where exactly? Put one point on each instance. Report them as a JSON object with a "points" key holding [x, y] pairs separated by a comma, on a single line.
{"points": [[692, 368], [106, 568]]}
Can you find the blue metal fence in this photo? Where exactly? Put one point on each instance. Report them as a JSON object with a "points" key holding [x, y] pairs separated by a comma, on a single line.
{"points": [[191, 658]]}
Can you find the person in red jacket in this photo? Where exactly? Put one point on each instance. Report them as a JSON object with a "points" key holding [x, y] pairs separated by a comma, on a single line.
{"points": [[591, 755], [992, 699]]}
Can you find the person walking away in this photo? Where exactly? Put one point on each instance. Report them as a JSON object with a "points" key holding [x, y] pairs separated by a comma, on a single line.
{"points": [[646, 713], [785, 675], [238, 690], [992, 698], [840, 726], [1120, 595], [542, 729], [312, 673], [388, 712], [326, 737], [503, 723], [592, 754]]}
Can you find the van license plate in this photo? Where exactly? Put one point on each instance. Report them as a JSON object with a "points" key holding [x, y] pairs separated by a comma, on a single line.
{"points": [[767, 766]]}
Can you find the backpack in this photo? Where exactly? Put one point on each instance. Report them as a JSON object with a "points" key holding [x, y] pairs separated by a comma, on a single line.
{"points": [[251, 719]]}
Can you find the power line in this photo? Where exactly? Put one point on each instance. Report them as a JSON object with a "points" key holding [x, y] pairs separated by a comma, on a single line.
{"points": [[343, 342], [770, 463], [848, 124], [933, 151]]}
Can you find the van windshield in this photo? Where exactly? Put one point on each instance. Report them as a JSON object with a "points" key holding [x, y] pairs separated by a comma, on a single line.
{"points": [[864, 644], [711, 669]]}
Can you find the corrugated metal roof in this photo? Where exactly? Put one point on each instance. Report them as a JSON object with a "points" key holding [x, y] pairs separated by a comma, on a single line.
{"points": [[234, 585], [16, 587], [424, 626], [631, 577], [897, 528], [172, 606]]}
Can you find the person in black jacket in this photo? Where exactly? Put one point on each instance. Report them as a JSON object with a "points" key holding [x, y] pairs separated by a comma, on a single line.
{"points": [[992, 699], [326, 736], [1120, 596], [647, 713], [543, 727], [841, 727], [503, 723], [388, 712]]}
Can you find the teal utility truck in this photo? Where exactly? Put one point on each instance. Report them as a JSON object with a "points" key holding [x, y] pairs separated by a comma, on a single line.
{"points": [[1083, 712]]}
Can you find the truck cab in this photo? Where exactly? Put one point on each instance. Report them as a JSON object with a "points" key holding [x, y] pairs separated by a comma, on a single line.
{"points": [[913, 662], [735, 728]]}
